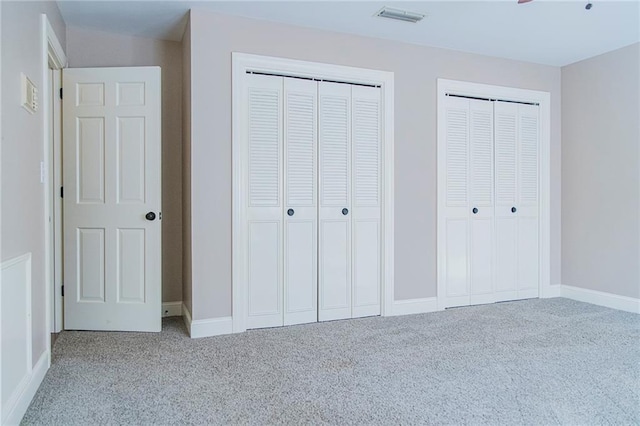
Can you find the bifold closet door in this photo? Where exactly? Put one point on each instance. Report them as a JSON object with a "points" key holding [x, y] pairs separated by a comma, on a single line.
{"points": [[300, 218], [334, 131], [528, 202], [265, 200], [366, 215], [468, 208], [481, 183], [516, 157]]}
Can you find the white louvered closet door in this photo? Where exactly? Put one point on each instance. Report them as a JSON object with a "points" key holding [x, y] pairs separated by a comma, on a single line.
{"points": [[469, 204], [506, 155], [366, 160], [455, 208], [300, 219], [481, 253], [527, 208], [516, 157], [265, 201], [334, 131]]}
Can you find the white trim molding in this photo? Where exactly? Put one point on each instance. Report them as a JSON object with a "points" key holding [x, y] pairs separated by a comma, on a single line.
{"points": [[207, 327], [601, 298], [54, 58], [543, 99], [211, 327], [172, 309], [415, 306], [35, 378], [243, 63], [551, 291]]}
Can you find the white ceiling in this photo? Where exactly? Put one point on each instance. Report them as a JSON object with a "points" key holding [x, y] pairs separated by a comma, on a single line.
{"points": [[546, 32]]}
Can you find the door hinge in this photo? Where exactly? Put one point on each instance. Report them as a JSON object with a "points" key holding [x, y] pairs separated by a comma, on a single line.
{"points": [[61, 93], [62, 290], [62, 192]]}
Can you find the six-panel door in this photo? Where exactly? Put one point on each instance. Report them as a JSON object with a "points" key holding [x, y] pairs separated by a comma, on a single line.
{"points": [[112, 228]]}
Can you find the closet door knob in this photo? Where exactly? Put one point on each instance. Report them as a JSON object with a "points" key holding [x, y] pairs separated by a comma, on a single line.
{"points": [[475, 210], [513, 210], [290, 212], [150, 216], [345, 211]]}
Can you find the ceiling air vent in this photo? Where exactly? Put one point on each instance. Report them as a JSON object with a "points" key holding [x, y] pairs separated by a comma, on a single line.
{"points": [[400, 15]]}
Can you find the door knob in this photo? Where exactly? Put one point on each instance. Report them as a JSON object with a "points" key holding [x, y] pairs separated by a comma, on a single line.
{"points": [[150, 216], [345, 211], [475, 210], [290, 212], [513, 209]]}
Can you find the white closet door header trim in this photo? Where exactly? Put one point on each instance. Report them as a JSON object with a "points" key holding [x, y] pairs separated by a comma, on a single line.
{"points": [[242, 64]]}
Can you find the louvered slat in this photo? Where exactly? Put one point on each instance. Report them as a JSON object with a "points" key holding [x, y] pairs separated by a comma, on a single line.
{"points": [[505, 153], [481, 129], [457, 122], [335, 146], [366, 139], [264, 146], [528, 159], [301, 127]]}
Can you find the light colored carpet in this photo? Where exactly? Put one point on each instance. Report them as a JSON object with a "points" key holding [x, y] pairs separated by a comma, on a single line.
{"points": [[552, 361]]}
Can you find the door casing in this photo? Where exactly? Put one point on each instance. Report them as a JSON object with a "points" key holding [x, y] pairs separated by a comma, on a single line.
{"points": [[486, 91], [242, 64], [53, 58]]}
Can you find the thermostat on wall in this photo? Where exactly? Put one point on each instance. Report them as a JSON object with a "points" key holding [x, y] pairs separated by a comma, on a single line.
{"points": [[29, 94]]}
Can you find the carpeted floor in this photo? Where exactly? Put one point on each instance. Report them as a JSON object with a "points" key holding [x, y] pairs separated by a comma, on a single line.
{"points": [[553, 361]]}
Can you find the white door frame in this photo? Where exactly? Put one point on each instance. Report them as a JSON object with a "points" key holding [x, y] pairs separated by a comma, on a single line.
{"points": [[243, 63], [53, 58], [543, 99]]}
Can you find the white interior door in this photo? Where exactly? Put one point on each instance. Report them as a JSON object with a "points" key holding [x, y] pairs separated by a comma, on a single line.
{"points": [[265, 205], [300, 219], [111, 176], [366, 160], [335, 201]]}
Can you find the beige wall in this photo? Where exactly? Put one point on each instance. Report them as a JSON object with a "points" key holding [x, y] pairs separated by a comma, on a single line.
{"points": [[186, 171], [22, 208], [214, 37], [601, 173], [98, 49]]}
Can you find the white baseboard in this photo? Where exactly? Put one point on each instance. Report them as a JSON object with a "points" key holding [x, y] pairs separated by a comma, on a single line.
{"points": [[206, 327], [172, 309], [551, 291], [601, 298], [35, 379], [211, 327], [414, 306]]}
